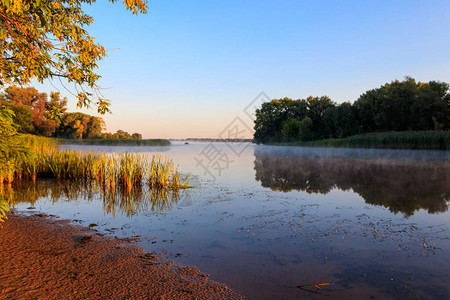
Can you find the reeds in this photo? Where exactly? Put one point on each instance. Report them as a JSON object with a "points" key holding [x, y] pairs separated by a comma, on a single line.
{"points": [[439, 140], [24, 156], [130, 181], [127, 170]]}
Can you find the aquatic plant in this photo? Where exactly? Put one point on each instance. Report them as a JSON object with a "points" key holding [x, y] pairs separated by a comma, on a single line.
{"points": [[128, 170], [30, 157], [393, 140]]}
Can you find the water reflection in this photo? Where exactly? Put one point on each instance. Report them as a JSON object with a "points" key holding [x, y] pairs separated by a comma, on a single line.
{"points": [[115, 201], [404, 186]]}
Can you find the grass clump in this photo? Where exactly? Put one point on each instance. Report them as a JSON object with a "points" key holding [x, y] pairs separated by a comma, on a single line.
{"points": [[127, 170]]}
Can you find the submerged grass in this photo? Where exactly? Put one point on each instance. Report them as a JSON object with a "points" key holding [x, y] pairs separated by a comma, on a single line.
{"points": [[438, 140]]}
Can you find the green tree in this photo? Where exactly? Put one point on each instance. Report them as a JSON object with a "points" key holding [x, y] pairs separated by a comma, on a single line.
{"points": [[270, 117], [120, 134], [291, 130], [45, 39], [11, 149], [316, 110], [346, 120], [22, 118], [305, 129]]}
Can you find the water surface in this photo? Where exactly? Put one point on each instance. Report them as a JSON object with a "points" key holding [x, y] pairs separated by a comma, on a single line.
{"points": [[267, 219]]}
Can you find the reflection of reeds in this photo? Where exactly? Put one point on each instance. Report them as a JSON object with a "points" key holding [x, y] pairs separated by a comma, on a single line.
{"points": [[140, 199]]}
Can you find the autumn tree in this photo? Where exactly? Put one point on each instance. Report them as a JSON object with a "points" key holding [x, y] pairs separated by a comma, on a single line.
{"points": [[56, 107], [36, 103], [47, 39], [136, 136], [78, 125]]}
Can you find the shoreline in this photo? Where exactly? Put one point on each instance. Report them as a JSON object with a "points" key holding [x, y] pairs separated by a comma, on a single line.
{"points": [[46, 258]]}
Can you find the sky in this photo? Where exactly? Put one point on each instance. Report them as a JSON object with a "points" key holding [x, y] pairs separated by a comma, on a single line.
{"points": [[190, 68]]}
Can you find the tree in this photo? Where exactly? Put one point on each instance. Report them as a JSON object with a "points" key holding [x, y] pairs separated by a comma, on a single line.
{"points": [[95, 127], [29, 97], [11, 149], [22, 118], [46, 39], [291, 130], [79, 125], [120, 134], [305, 129], [56, 107], [317, 107], [136, 136]]}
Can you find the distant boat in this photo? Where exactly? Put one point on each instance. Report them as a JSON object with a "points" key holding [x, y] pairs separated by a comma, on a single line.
{"points": [[186, 143]]}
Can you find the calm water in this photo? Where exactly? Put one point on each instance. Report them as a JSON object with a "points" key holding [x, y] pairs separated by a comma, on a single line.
{"points": [[373, 222]]}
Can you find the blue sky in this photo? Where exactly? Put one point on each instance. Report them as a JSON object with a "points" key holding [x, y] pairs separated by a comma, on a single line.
{"points": [[188, 68]]}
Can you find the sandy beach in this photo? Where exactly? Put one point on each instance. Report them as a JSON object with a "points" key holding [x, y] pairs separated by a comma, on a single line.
{"points": [[42, 257]]}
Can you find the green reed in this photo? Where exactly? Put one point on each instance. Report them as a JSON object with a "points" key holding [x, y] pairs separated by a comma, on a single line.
{"points": [[27, 159], [127, 170], [439, 140]]}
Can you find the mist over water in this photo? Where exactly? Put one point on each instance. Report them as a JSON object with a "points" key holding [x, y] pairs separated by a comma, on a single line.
{"points": [[373, 222], [403, 181]]}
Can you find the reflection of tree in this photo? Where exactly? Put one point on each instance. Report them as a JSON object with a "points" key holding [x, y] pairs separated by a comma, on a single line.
{"points": [[138, 200], [402, 186]]}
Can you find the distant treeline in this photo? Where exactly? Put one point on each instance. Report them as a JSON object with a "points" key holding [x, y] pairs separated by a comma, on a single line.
{"points": [[36, 113], [115, 142], [216, 140], [399, 106]]}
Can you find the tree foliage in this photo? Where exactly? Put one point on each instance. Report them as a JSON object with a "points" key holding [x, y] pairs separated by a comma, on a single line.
{"points": [[47, 39], [36, 103], [396, 106], [11, 148]]}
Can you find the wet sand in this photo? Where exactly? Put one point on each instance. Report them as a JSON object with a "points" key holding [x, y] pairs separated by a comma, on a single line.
{"points": [[45, 258]]}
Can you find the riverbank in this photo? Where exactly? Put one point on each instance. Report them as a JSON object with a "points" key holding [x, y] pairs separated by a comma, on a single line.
{"points": [[423, 140], [45, 258], [115, 142]]}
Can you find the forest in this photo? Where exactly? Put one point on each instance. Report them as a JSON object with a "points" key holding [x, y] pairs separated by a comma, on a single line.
{"points": [[397, 106], [46, 115]]}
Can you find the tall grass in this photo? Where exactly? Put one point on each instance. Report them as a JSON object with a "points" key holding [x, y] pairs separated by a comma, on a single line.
{"points": [[439, 140], [128, 170], [130, 181], [33, 147]]}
